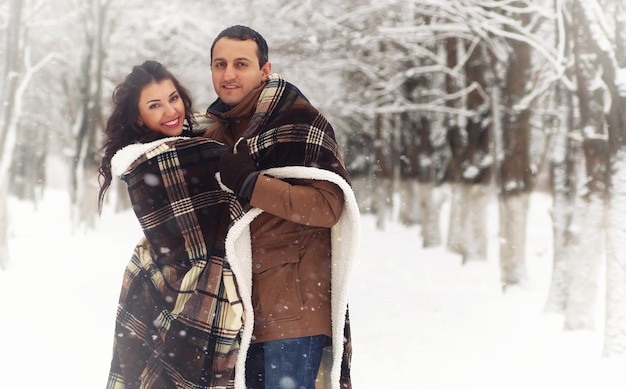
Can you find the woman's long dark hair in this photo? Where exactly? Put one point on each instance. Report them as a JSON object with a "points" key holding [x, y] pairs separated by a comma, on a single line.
{"points": [[122, 128]]}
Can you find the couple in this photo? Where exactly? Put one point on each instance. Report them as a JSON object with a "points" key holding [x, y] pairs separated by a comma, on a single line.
{"points": [[251, 229]]}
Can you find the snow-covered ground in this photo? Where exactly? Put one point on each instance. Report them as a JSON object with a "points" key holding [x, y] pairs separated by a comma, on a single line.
{"points": [[419, 318]]}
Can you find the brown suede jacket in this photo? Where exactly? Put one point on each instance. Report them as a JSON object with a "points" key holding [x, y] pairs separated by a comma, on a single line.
{"points": [[291, 246]]}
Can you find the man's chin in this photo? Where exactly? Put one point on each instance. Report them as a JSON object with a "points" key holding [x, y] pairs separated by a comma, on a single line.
{"points": [[231, 100]]}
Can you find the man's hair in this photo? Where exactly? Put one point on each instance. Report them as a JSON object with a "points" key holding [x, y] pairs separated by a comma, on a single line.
{"points": [[243, 33]]}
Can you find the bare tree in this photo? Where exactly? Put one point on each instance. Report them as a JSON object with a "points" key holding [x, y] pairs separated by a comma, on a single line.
{"points": [[563, 187], [562, 172], [89, 120], [470, 167], [8, 99], [18, 72], [515, 173], [587, 232], [609, 47]]}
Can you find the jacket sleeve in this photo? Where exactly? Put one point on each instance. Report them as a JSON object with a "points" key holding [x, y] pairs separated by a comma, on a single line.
{"points": [[315, 203]]}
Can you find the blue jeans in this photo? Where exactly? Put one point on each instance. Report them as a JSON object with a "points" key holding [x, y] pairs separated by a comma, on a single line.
{"points": [[285, 363]]}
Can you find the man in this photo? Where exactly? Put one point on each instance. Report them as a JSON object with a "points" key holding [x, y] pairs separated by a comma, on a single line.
{"points": [[286, 167]]}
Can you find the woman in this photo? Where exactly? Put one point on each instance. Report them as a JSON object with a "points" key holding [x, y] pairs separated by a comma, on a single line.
{"points": [[179, 318], [126, 125]]}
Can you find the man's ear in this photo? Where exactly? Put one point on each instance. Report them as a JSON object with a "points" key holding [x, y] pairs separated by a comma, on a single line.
{"points": [[266, 70]]}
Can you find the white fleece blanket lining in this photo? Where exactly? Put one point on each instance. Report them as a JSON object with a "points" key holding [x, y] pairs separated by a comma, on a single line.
{"points": [[124, 157], [345, 241]]}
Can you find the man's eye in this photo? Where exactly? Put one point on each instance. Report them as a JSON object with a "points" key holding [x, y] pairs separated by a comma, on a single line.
{"points": [[242, 64]]}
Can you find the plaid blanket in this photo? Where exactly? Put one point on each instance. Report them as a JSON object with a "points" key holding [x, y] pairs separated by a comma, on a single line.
{"points": [[180, 317], [286, 130], [289, 138]]}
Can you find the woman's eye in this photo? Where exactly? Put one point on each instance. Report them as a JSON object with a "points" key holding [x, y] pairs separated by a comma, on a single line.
{"points": [[174, 98], [153, 106]]}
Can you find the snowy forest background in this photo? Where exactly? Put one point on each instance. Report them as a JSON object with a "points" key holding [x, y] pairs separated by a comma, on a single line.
{"points": [[460, 101]]}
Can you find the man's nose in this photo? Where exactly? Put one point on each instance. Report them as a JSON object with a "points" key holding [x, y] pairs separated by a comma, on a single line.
{"points": [[229, 73]]}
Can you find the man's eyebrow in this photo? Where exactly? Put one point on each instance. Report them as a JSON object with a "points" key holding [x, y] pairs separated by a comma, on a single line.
{"points": [[236, 59]]}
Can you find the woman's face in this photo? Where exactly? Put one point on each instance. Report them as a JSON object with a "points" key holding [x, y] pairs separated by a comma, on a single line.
{"points": [[161, 109]]}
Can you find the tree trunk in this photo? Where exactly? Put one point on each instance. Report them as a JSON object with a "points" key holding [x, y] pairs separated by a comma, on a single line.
{"points": [[615, 319], [28, 176], [515, 172], [586, 253], [563, 192], [611, 62], [475, 229], [478, 163], [430, 206], [84, 169], [409, 166], [409, 202], [513, 217], [471, 164], [468, 236], [456, 142], [4, 226], [12, 57], [429, 202], [563, 186], [456, 222], [589, 224], [363, 186], [383, 194], [7, 124]]}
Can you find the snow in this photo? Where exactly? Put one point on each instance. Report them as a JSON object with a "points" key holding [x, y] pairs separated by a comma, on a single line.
{"points": [[419, 318], [620, 81]]}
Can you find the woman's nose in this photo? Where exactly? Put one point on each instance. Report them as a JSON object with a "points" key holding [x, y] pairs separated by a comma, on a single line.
{"points": [[170, 109]]}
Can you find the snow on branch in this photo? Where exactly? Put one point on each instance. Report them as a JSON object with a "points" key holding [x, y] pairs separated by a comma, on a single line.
{"points": [[9, 140], [605, 47]]}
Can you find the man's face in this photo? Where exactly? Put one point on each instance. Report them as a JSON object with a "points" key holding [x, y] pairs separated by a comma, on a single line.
{"points": [[235, 69]]}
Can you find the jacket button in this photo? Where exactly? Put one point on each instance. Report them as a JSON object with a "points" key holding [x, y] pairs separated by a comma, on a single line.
{"points": [[258, 266]]}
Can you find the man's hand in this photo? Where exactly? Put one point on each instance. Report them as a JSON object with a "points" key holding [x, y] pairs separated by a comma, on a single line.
{"points": [[238, 171]]}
